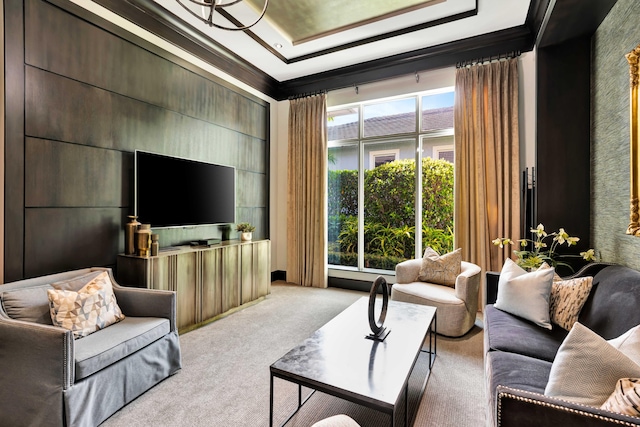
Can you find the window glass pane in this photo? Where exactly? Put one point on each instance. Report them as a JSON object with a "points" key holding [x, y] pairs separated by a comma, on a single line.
{"points": [[342, 124], [437, 111], [343, 206], [389, 205], [437, 194], [390, 117], [440, 147]]}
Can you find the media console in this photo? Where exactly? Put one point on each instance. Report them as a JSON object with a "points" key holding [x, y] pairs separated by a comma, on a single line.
{"points": [[210, 282]]}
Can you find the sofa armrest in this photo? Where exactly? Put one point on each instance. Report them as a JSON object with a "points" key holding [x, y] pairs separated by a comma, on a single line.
{"points": [[408, 271], [137, 302], [142, 302], [467, 285], [37, 360], [519, 408], [491, 291]]}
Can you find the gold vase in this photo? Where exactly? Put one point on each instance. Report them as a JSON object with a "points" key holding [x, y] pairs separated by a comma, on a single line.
{"points": [[143, 239], [130, 229]]}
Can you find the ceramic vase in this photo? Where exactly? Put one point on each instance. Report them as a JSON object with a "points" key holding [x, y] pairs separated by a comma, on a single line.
{"points": [[130, 229]]}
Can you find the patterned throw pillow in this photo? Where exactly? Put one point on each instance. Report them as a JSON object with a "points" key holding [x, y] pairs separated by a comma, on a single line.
{"points": [[92, 308], [587, 368], [625, 399], [442, 270], [566, 300]]}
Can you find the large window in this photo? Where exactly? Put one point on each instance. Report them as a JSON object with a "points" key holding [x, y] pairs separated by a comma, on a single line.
{"points": [[380, 211]]}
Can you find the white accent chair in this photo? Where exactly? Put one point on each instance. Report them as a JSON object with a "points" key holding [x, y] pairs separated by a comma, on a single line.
{"points": [[456, 306]]}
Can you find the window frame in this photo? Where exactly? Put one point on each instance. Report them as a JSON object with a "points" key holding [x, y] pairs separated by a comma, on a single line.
{"points": [[361, 141]]}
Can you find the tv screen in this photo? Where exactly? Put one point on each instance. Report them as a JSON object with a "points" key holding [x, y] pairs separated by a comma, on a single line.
{"points": [[176, 192]]}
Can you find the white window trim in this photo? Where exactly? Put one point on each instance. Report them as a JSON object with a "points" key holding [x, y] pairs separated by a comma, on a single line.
{"points": [[438, 148], [374, 154]]}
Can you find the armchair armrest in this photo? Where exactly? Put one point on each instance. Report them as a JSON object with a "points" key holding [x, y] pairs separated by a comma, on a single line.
{"points": [[408, 271], [37, 365], [519, 408], [467, 285]]}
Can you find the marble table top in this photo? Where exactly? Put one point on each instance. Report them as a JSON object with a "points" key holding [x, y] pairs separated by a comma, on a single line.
{"points": [[338, 359]]}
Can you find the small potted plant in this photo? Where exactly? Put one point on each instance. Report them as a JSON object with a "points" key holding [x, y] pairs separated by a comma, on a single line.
{"points": [[246, 230]]}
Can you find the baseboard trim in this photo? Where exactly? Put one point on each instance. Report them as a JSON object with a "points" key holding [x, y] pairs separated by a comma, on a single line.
{"points": [[351, 284]]}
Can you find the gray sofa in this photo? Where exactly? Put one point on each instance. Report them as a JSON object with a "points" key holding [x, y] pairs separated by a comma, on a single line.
{"points": [[50, 379], [519, 354]]}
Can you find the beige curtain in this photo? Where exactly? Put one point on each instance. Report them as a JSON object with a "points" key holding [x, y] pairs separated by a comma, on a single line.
{"points": [[487, 202], [307, 189]]}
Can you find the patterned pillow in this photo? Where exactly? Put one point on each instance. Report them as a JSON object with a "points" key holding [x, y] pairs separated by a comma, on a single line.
{"points": [[92, 308], [587, 368], [78, 282], [442, 270], [566, 300], [625, 399]]}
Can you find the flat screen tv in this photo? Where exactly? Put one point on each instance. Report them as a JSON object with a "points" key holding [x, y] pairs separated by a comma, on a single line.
{"points": [[175, 192]]}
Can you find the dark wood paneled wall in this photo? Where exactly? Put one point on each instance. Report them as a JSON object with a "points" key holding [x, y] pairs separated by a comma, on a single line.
{"points": [[563, 138], [80, 100]]}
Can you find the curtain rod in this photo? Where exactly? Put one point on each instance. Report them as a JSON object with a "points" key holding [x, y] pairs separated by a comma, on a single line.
{"points": [[304, 95], [476, 61]]}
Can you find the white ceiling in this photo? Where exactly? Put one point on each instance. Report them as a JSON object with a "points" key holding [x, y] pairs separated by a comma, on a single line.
{"points": [[492, 15]]}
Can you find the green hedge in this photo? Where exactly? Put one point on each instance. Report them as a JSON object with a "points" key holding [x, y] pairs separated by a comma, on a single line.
{"points": [[387, 241], [389, 194]]}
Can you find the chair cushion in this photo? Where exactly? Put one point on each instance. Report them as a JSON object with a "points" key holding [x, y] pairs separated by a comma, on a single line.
{"points": [[107, 346], [423, 293], [28, 304], [506, 332]]}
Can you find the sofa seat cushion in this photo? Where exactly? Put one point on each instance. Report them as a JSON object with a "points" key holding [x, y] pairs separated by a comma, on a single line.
{"points": [[506, 332], [423, 293], [106, 346], [515, 371]]}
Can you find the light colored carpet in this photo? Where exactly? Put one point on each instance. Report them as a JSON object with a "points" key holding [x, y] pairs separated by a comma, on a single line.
{"points": [[225, 376]]}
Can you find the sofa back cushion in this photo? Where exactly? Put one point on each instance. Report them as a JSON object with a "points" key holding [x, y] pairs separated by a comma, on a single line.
{"points": [[28, 304], [612, 306]]}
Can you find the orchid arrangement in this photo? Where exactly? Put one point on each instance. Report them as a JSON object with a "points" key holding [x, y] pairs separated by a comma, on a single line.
{"points": [[543, 250]]}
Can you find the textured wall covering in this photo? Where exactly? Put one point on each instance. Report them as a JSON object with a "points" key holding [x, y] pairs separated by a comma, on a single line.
{"points": [[618, 34]]}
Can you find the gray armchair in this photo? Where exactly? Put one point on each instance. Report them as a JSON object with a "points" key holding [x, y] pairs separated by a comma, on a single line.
{"points": [[456, 306], [50, 379]]}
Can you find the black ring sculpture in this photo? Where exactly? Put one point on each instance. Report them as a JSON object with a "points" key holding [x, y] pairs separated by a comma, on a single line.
{"points": [[379, 332]]}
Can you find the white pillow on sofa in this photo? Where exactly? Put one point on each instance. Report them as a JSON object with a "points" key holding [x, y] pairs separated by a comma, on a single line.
{"points": [[587, 368], [525, 294], [629, 343]]}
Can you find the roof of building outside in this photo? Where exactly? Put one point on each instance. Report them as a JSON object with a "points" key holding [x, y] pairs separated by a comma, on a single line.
{"points": [[433, 119]]}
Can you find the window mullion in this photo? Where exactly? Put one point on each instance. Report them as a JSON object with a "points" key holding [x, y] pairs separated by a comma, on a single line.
{"points": [[360, 191], [418, 199]]}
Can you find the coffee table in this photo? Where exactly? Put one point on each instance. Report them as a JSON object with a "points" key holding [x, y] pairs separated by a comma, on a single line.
{"points": [[338, 360]]}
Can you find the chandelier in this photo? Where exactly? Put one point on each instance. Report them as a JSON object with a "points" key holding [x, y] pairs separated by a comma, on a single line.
{"points": [[209, 7]]}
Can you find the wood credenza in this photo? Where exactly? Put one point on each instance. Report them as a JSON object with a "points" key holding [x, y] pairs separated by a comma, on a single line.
{"points": [[209, 281]]}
